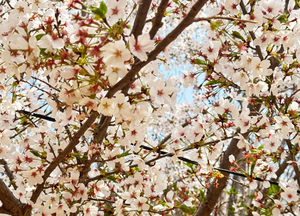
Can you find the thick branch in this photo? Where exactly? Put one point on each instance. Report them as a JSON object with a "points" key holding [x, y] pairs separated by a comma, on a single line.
{"points": [[10, 204], [74, 141], [159, 15], [213, 193], [128, 79], [296, 169], [99, 136], [281, 170], [8, 172], [140, 18], [101, 131]]}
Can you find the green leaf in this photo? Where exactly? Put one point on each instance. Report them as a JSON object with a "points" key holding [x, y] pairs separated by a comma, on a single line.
{"points": [[186, 209], [35, 153], [94, 10], [190, 165], [42, 50], [14, 97], [283, 18], [93, 96], [123, 154], [175, 186], [200, 62], [273, 189], [231, 209], [261, 147], [212, 82], [112, 178], [252, 167], [101, 11], [214, 25], [232, 191], [252, 196], [79, 156], [39, 36], [237, 35], [202, 197], [103, 8]]}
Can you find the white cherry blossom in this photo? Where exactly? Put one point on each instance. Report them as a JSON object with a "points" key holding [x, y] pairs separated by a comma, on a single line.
{"points": [[141, 46]]}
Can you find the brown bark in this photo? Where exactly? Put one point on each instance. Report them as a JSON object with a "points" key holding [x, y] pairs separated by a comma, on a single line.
{"points": [[8, 172], [128, 79], [10, 204], [158, 17], [214, 193], [98, 137], [74, 141], [296, 169], [140, 18]]}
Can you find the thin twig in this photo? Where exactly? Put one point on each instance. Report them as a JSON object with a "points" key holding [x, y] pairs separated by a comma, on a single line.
{"points": [[45, 83], [158, 17], [224, 18], [74, 141], [8, 173], [8, 2], [55, 157]]}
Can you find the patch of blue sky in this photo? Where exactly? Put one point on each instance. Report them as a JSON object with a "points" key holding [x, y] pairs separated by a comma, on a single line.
{"points": [[185, 94]]}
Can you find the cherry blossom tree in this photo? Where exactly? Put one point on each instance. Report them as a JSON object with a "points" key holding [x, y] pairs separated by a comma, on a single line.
{"points": [[91, 125]]}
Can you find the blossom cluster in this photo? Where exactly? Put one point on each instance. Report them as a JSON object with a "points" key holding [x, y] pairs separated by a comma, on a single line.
{"points": [[115, 138]]}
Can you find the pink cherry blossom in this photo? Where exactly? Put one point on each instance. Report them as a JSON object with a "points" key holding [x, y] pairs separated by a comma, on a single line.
{"points": [[141, 46], [116, 10]]}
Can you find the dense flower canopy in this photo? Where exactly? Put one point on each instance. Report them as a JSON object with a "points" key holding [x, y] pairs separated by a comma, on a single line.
{"points": [[90, 124]]}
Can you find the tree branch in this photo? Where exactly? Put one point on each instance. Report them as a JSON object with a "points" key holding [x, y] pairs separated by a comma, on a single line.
{"points": [[170, 134], [8, 172], [99, 136], [10, 204], [140, 18], [159, 15], [74, 141], [213, 193], [224, 18], [129, 78], [296, 169]]}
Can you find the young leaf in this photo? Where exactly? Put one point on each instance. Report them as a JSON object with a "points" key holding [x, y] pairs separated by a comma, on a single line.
{"points": [[186, 209], [101, 11], [237, 35], [200, 62], [39, 36], [212, 82], [35, 153]]}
